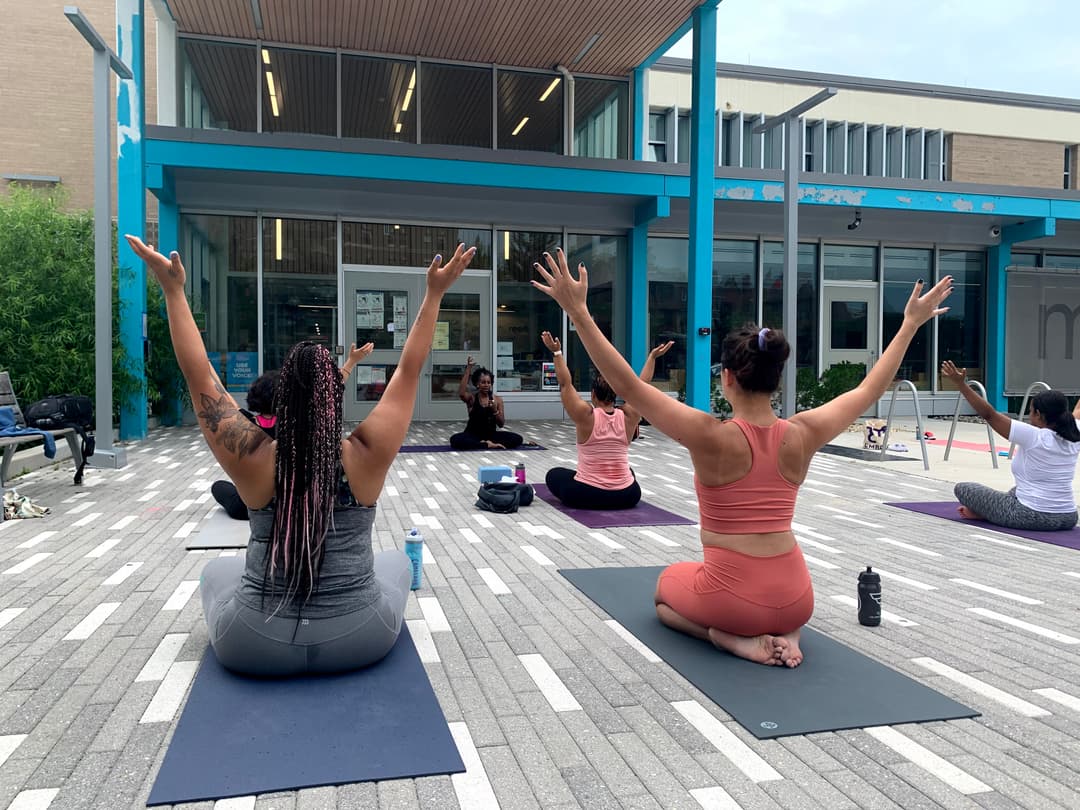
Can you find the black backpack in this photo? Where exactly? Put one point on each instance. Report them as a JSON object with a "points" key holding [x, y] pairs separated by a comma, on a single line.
{"points": [[503, 496], [65, 411]]}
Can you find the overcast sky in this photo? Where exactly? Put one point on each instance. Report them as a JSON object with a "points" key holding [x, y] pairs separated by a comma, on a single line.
{"points": [[1024, 46]]}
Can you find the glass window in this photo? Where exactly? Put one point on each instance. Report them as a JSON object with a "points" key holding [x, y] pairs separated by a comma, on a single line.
{"points": [[456, 103], [728, 132], [600, 109], [682, 138], [220, 255], [961, 330], [530, 111], [605, 257], [378, 98], [299, 91], [657, 151], [217, 86], [445, 380], [410, 245], [851, 263], [734, 294], [1061, 261], [299, 285], [668, 265], [849, 325], [749, 122], [903, 267], [374, 310], [371, 381], [806, 298], [1025, 260], [522, 311], [461, 314]]}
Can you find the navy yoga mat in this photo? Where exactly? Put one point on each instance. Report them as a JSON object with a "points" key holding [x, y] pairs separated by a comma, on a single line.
{"points": [[947, 510], [641, 515], [241, 736], [446, 448], [219, 531], [834, 688]]}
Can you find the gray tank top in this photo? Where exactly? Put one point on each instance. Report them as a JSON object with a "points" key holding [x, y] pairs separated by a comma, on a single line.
{"points": [[347, 577]]}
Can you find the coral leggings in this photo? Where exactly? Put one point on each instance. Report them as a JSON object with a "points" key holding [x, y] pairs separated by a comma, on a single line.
{"points": [[740, 593]]}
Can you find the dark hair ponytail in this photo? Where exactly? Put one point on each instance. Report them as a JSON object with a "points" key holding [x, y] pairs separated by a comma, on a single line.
{"points": [[602, 390], [756, 356], [1054, 408]]}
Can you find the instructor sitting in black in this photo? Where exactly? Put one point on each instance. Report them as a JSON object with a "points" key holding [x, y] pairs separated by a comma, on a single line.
{"points": [[485, 415]]}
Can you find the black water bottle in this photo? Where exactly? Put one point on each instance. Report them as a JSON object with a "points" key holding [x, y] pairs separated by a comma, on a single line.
{"points": [[869, 597]]}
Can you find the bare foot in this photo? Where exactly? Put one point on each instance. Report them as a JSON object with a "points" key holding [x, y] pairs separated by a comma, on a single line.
{"points": [[763, 649], [791, 656], [967, 513]]}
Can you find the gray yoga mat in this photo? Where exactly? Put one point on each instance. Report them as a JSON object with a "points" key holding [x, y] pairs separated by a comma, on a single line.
{"points": [[219, 531], [834, 688]]}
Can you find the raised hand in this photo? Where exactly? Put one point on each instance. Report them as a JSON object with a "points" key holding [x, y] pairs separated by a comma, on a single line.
{"points": [[169, 272], [356, 355], [949, 369], [440, 276], [552, 344], [567, 291], [662, 349], [921, 307]]}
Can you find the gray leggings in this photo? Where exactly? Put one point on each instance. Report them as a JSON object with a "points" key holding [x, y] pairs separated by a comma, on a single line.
{"points": [[246, 641], [1003, 509]]}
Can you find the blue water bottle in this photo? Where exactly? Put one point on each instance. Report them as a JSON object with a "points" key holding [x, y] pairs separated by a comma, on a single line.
{"points": [[414, 550]]}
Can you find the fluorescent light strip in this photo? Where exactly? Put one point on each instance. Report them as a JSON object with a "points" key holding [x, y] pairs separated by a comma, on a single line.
{"points": [[550, 87], [277, 239], [266, 56], [408, 98], [273, 93], [521, 125], [506, 253], [397, 127]]}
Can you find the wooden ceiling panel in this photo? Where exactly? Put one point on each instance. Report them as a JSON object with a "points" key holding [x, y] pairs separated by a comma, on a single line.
{"points": [[538, 35]]}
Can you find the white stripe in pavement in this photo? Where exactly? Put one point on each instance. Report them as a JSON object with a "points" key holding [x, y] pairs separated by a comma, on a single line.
{"points": [[184, 504], [886, 615], [126, 476], [402, 474], [87, 520], [914, 583], [714, 798], [633, 641], [82, 507], [28, 563], [438, 485], [422, 640], [236, 803], [155, 484], [1038, 630], [468, 476], [819, 491], [125, 571], [170, 694], [806, 541], [742, 756], [7, 615], [982, 688], [909, 547], [659, 538], [1001, 542], [8, 744], [819, 562], [600, 537], [40, 537], [146, 496], [432, 504], [833, 509], [858, 522], [837, 475], [173, 466], [670, 455], [1024, 600], [810, 531], [537, 555], [549, 683], [483, 521], [427, 558], [470, 535], [123, 523], [1071, 574], [680, 490], [6, 524], [463, 465], [493, 580], [930, 762], [163, 657], [881, 492], [38, 799], [75, 497], [101, 549], [204, 497], [1064, 698], [181, 595], [200, 483], [186, 529], [201, 471], [915, 486], [817, 483], [391, 491], [84, 629], [472, 788], [433, 614]]}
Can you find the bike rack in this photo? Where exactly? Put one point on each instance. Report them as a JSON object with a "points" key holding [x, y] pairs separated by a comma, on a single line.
{"points": [[1023, 407], [918, 421], [981, 391]]}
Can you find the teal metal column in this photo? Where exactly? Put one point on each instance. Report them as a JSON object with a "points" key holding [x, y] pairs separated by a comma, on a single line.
{"points": [[637, 279], [172, 406], [998, 258], [639, 114], [131, 209], [702, 171]]}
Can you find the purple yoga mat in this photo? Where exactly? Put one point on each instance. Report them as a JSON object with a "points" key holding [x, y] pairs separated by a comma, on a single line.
{"points": [[947, 510], [641, 515], [446, 448]]}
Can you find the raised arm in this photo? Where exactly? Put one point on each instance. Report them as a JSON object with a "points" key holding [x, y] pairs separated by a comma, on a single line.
{"points": [[242, 449], [681, 422], [825, 422], [355, 356], [377, 439], [649, 367], [1001, 423], [577, 408], [463, 386]]}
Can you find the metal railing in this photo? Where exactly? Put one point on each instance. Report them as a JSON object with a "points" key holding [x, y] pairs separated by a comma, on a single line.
{"points": [[1024, 406], [918, 420], [981, 391]]}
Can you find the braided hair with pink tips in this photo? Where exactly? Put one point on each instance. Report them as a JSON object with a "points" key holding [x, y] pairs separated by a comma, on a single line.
{"points": [[307, 402]]}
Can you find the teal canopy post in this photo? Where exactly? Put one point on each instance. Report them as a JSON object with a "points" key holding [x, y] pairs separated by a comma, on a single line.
{"points": [[637, 294]]}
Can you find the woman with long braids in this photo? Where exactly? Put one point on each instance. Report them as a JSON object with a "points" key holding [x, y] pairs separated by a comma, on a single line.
{"points": [[310, 595]]}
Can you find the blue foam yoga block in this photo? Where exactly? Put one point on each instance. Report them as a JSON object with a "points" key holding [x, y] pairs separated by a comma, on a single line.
{"points": [[493, 473]]}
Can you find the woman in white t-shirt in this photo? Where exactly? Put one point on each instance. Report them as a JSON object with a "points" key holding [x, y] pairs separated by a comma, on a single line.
{"points": [[1044, 464]]}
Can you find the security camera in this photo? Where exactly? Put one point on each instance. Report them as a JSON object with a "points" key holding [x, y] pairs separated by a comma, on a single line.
{"points": [[855, 223], [995, 231]]}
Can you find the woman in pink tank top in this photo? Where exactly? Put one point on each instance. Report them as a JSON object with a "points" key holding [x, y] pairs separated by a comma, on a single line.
{"points": [[603, 479], [752, 593]]}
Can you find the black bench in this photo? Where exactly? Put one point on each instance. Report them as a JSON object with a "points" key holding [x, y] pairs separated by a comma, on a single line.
{"points": [[10, 444]]}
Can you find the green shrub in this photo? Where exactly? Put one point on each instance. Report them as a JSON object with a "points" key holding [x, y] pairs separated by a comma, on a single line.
{"points": [[838, 379]]}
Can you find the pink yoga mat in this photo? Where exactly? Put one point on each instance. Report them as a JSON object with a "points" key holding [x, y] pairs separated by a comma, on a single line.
{"points": [[641, 515], [947, 510]]}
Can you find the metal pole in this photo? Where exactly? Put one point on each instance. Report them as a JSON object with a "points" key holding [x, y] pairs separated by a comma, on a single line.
{"points": [[103, 431], [791, 253]]}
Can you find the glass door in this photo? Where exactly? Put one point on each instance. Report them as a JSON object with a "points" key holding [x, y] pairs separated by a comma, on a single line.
{"points": [[850, 325], [463, 329]]}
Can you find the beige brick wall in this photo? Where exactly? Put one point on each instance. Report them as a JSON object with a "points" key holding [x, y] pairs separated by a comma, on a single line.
{"points": [[46, 101], [1006, 161]]}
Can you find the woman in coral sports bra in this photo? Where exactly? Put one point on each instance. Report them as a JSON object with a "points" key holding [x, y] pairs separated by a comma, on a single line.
{"points": [[752, 594]]}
